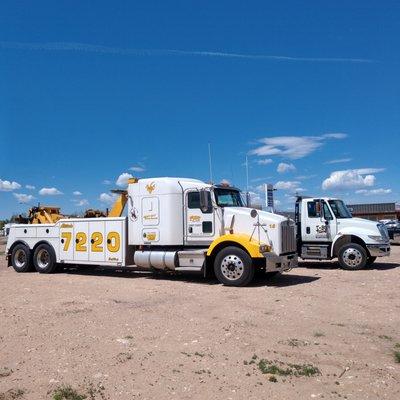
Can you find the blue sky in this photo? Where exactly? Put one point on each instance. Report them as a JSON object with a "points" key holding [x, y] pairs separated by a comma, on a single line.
{"points": [[93, 90]]}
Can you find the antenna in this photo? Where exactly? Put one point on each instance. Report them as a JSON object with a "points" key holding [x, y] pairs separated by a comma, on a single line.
{"points": [[247, 182], [209, 161], [247, 174]]}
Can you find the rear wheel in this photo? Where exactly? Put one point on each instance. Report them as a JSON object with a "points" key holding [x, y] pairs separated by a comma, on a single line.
{"points": [[233, 267], [352, 257], [44, 259], [21, 258]]}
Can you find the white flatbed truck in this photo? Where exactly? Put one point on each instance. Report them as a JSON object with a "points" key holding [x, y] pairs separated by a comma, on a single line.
{"points": [[173, 224], [327, 230]]}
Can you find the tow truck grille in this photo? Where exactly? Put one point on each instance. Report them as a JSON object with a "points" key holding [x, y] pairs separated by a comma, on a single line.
{"points": [[288, 237]]}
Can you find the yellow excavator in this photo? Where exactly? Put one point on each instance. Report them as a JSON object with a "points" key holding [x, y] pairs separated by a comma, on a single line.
{"points": [[50, 215]]}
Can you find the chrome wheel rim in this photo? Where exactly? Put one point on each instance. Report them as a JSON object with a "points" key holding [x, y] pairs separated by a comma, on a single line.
{"points": [[20, 258], [232, 267], [43, 259], [352, 257]]}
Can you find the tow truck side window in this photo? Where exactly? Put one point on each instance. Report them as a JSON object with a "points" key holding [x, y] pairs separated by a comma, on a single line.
{"points": [[194, 201]]}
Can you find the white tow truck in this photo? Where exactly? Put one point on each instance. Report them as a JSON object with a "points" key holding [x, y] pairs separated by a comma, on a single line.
{"points": [[326, 230], [173, 224]]}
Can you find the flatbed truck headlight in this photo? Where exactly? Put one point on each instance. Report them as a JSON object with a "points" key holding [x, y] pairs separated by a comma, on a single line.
{"points": [[264, 248], [376, 238]]}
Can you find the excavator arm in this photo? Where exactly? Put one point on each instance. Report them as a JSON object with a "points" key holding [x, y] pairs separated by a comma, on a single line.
{"points": [[119, 204]]}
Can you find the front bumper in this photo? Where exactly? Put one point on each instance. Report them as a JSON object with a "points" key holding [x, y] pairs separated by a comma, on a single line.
{"points": [[379, 250], [280, 263]]}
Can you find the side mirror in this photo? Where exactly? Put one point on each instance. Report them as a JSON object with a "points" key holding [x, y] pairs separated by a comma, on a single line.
{"points": [[204, 200], [253, 213], [319, 209]]}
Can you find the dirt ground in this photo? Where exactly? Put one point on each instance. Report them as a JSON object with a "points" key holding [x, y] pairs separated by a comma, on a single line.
{"points": [[124, 335]]}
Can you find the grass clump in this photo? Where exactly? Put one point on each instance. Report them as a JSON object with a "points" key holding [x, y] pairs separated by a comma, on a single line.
{"points": [[67, 393], [5, 372], [319, 334], [397, 356], [267, 367], [12, 394], [304, 369], [279, 368]]}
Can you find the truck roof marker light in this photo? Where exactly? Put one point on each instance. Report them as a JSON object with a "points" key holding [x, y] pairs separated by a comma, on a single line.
{"points": [[133, 180]]}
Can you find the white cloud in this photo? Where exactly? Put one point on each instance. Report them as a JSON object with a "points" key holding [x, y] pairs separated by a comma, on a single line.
{"points": [[7, 186], [351, 179], [372, 192], [49, 191], [364, 171], [338, 161], [335, 135], [106, 182], [99, 49], [122, 180], [107, 198], [81, 202], [23, 198], [30, 187], [292, 186], [264, 161], [77, 193], [137, 168], [284, 167], [293, 147]]}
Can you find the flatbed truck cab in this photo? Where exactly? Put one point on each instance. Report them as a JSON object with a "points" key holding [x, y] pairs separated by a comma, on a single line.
{"points": [[172, 224], [327, 230]]}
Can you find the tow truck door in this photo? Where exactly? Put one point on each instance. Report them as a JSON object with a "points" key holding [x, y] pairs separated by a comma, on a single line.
{"points": [[199, 225]]}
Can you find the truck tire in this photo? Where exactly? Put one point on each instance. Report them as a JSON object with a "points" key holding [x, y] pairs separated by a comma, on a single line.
{"points": [[233, 267], [370, 260], [21, 259], [352, 256], [44, 259]]}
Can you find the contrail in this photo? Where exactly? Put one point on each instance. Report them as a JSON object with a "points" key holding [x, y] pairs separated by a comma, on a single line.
{"points": [[90, 48]]}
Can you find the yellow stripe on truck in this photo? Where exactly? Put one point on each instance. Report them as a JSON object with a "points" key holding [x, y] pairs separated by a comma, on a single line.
{"points": [[252, 246]]}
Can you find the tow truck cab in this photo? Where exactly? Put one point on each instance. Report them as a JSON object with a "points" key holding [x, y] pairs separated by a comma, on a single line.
{"points": [[326, 230]]}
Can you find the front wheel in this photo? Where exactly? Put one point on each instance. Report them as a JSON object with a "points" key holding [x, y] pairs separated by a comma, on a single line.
{"points": [[233, 267], [44, 259], [371, 260], [352, 257]]}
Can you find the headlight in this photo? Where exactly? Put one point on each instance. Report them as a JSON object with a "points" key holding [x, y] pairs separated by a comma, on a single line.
{"points": [[376, 238], [264, 248]]}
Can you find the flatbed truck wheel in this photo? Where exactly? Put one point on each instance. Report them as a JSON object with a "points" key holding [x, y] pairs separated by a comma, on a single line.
{"points": [[352, 256], [21, 259], [371, 260], [44, 259], [233, 267]]}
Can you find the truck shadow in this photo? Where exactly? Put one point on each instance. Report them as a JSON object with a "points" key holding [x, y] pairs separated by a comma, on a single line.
{"points": [[286, 279], [379, 266]]}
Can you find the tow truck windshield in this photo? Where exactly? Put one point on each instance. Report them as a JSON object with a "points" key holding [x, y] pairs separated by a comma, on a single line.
{"points": [[340, 209], [228, 198]]}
